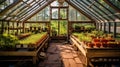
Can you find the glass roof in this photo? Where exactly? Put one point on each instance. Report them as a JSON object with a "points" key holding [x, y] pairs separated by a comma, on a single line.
{"points": [[98, 9], [22, 10]]}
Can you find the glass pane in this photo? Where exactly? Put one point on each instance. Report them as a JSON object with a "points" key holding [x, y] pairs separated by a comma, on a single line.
{"points": [[107, 6], [118, 27], [63, 28], [6, 4], [55, 13], [104, 9], [54, 28], [55, 3], [116, 3], [41, 16], [72, 14], [94, 9], [75, 15], [63, 13], [86, 11]]}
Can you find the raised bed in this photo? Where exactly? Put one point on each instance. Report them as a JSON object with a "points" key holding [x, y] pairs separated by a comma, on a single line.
{"points": [[33, 41], [23, 52], [21, 36], [96, 54]]}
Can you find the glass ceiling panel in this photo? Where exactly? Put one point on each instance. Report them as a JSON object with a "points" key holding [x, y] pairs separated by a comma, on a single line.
{"points": [[110, 8], [109, 12], [29, 1], [43, 15], [7, 14], [89, 10], [22, 8], [102, 12], [25, 9], [6, 3], [86, 11], [32, 9], [107, 6], [91, 6], [115, 3], [30, 12], [55, 3], [77, 15]]}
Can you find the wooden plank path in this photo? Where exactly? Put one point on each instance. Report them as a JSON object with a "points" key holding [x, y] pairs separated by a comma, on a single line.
{"points": [[59, 55]]}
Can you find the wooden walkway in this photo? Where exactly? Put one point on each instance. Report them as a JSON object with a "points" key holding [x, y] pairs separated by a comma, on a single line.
{"points": [[59, 55]]}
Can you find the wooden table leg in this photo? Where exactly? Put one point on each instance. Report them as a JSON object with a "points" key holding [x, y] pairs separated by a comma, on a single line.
{"points": [[34, 60]]}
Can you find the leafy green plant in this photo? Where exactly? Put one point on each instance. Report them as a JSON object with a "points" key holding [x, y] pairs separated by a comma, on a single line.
{"points": [[32, 39], [8, 41]]}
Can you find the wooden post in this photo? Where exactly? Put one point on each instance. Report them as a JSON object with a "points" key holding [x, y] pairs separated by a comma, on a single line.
{"points": [[23, 24], [100, 26], [13, 27], [104, 27], [109, 26], [114, 29], [2, 27], [17, 27], [8, 27], [97, 26], [69, 25]]}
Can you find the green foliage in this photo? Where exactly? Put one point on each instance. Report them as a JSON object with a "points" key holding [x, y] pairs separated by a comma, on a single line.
{"points": [[98, 33], [32, 39], [88, 36], [83, 37], [8, 41], [89, 27]]}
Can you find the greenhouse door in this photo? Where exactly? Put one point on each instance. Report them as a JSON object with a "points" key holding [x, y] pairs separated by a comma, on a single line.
{"points": [[59, 22]]}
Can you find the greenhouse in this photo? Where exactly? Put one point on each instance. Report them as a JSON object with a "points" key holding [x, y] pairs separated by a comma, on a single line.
{"points": [[59, 33]]}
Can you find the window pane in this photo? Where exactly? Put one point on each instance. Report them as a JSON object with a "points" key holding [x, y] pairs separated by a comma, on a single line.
{"points": [[63, 13], [54, 13], [63, 28], [54, 28]]}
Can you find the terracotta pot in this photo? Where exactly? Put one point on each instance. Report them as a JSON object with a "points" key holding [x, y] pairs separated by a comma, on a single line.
{"points": [[96, 40], [112, 44], [90, 45], [104, 45], [97, 44]]}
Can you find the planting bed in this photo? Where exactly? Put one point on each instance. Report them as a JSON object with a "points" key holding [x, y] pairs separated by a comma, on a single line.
{"points": [[97, 49], [27, 47]]}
